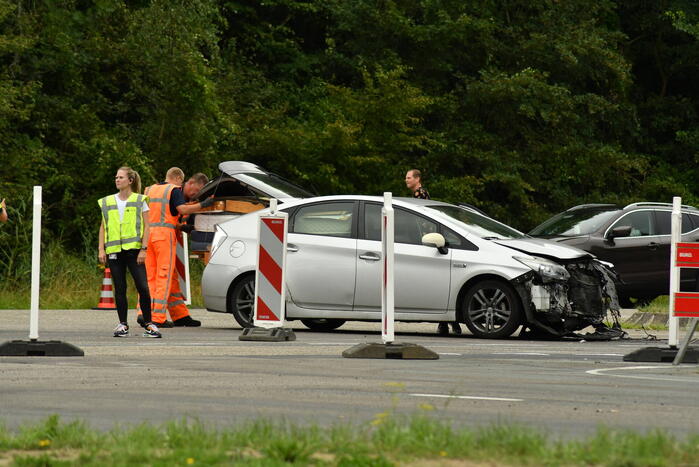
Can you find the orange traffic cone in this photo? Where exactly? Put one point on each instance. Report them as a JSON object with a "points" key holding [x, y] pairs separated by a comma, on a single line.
{"points": [[107, 293]]}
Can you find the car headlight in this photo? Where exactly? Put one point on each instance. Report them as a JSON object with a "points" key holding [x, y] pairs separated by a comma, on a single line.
{"points": [[219, 237], [547, 269]]}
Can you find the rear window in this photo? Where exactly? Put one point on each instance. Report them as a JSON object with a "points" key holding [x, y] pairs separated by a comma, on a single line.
{"points": [[664, 221]]}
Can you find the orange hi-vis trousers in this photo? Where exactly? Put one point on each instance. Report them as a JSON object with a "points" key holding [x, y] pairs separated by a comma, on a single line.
{"points": [[163, 282]]}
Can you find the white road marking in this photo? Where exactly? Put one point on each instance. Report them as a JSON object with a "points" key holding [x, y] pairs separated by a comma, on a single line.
{"points": [[332, 343], [522, 353], [603, 372], [601, 355], [448, 353], [482, 398]]}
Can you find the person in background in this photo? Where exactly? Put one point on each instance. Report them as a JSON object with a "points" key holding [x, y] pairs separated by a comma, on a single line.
{"points": [[3, 211], [413, 180], [190, 190], [123, 234], [166, 205]]}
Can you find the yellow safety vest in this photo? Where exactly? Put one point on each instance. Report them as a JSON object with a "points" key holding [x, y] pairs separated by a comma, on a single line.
{"points": [[123, 234]]}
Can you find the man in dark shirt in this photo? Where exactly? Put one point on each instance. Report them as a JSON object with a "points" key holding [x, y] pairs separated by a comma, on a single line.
{"points": [[413, 180], [3, 211]]}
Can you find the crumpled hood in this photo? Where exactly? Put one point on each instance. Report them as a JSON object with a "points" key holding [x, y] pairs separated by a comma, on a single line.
{"points": [[544, 248]]}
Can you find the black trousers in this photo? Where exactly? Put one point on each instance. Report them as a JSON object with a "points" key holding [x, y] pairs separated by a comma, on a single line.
{"points": [[118, 263]]}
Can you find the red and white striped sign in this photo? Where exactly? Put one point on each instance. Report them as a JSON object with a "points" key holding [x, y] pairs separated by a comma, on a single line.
{"points": [[271, 258], [182, 265]]}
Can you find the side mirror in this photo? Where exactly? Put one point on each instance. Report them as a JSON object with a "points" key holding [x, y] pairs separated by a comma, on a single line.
{"points": [[435, 240], [617, 232]]}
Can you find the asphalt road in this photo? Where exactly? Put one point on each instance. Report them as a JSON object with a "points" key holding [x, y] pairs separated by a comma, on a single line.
{"points": [[564, 388]]}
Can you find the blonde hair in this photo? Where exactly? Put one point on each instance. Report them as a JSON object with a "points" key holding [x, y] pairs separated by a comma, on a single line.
{"points": [[174, 172], [134, 178]]}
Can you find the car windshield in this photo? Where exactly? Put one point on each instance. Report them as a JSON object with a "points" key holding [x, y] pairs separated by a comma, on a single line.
{"points": [[482, 226], [575, 222], [273, 185]]}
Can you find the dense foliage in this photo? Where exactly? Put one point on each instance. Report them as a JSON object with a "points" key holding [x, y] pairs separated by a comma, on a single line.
{"points": [[521, 107]]}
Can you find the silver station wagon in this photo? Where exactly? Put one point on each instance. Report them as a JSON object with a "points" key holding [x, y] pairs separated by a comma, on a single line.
{"points": [[470, 268]]}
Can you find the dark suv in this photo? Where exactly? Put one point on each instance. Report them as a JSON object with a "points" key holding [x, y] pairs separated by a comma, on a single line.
{"points": [[634, 238]]}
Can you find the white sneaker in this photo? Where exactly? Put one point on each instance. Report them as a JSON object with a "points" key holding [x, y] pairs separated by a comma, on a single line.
{"points": [[122, 330], [152, 331]]}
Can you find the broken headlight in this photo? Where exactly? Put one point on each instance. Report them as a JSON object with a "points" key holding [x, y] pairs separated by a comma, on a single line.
{"points": [[547, 269]]}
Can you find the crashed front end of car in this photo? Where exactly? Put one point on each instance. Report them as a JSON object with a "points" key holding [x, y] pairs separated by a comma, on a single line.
{"points": [[560, 298]]}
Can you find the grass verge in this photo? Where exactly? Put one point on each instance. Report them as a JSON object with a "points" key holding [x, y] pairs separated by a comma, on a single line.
{"points": [[386, 441]]}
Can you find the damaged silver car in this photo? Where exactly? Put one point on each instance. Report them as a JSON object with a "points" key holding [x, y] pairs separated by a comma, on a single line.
{"points": [[452, 263]]}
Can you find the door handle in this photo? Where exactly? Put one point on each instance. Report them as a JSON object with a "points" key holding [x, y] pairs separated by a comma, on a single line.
{"points": [[291, 247], [653, 246], [370, 256]]}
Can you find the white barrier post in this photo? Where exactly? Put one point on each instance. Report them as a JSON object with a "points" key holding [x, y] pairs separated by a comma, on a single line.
{"points": [[387, 257], [188, 286], [34, 347], [270, 291], [681, 304], [676, 236], [388, 348], [36, 265]]}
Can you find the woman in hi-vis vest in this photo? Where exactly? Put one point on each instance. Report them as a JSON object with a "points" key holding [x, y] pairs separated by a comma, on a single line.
{"points": [[123, 238]]}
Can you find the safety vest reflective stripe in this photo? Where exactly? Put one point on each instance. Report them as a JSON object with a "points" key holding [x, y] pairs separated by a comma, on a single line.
{"points": [[126, 233], [157, 300], [160, 206]]}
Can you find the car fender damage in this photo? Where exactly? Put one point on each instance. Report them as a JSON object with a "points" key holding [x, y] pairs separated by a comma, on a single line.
{"points": [[558, 308]]}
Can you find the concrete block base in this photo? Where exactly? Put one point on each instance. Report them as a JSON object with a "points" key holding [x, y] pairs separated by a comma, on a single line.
{"points": [[268, 335], [34, 348], [662, 355], [400, 351]]}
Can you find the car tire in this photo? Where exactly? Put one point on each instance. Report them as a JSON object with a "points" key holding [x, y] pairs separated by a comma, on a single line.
{"points": [[241, 301], [323, 324], [491, 309]]}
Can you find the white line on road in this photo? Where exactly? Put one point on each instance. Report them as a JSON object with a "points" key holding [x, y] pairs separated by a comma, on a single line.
{"points": [[603, 372], [601, 355], [522, 353], [449, 353], [482, 398]]}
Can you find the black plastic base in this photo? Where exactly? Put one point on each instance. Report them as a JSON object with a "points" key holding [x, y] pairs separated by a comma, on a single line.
{"points": [[34, 348], [267, 335], [662, 355], [399, 351]]}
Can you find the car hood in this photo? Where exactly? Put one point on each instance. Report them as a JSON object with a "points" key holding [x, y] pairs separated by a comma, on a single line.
{"points": [[544, 248]]}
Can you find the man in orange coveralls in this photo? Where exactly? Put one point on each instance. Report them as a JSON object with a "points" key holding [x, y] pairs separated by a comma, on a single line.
{"points": [[166, 204]]}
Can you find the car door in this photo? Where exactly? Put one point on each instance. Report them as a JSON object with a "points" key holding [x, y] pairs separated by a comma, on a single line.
{"points": [[422, 274], [321, 255], [663, 221], [637, 258]]}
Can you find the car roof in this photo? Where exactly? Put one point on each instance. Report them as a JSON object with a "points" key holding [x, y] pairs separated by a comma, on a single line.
{"points": [[637, 205], [401, 200]]}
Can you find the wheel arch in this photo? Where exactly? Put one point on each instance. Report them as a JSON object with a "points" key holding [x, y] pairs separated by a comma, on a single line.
{"points": [[460, 313], [238, 279]]}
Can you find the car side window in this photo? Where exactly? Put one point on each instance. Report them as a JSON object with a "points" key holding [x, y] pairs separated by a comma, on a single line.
{"points": [[641, 223], [329, 219], [663, 221], [695, 221], [455, 240], [409, 227]]}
